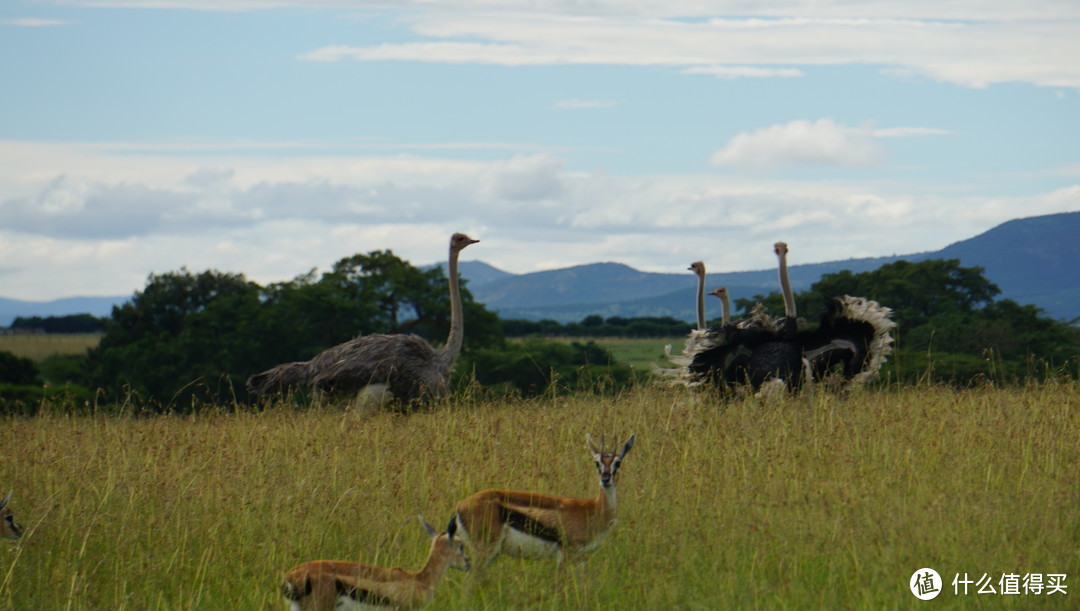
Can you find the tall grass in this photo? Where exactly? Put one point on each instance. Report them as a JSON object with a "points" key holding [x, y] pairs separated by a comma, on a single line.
{"points": [[823, 502]]}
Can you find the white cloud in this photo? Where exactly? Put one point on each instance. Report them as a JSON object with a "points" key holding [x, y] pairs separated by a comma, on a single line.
{"points": [[83, 220], [33, 22], [975, 52], [734, 72], [822, 142], [523, 178], [922, 9]]}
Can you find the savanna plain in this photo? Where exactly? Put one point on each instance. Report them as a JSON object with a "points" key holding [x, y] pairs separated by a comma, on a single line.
{"points": [[817, 501]]}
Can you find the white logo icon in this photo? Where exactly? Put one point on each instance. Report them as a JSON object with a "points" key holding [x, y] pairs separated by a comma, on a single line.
{"points": [[925, 584]]}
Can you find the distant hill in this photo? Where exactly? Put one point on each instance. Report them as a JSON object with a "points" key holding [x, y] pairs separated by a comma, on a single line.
{"points": [[10, 309], [1033, 261], [478, 272]]}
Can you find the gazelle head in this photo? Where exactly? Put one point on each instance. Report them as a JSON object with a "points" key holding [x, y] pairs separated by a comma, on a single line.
{"points": [[9, 528], [607, 463], [459, 559]]}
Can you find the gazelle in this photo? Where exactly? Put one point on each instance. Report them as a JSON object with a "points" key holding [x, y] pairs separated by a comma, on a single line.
{"points": [[9, 528], [533, 525], [330, 584]]}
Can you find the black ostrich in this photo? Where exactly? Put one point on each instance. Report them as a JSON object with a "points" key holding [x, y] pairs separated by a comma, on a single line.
{"points": [[754, 350], [759, 350]]}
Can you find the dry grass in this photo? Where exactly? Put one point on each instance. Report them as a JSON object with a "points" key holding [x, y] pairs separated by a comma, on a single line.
{"points": [[796, 503]]}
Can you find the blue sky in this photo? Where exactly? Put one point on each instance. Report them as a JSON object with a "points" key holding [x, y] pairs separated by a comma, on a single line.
{"points": [[272, 137]]}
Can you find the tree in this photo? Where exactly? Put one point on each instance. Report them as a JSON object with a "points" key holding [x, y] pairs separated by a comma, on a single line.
{"points": [[949, 312], [72, 323], [178, 338], [199, 336], [916, 292], [533, 365], [17, 370]]}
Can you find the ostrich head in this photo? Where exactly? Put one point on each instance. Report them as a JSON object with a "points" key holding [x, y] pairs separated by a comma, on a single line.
{"points": [[698, 268], [459, 241], [780, 248], [720, 292]]}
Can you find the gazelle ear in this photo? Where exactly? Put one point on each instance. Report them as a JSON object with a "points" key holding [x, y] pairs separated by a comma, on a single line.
{"points": [[430, 530], [592, 445], [627, 446], [7, 498]]}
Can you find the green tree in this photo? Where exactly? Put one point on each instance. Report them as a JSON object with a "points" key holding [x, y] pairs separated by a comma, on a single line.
{"points": [[73, 323], [533, 365], [178, 338], [17, 370], [948, 321], [916, 292], [188, 336]]}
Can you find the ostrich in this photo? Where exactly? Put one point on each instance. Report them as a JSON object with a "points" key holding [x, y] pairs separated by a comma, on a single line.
{"points": [[699, 337], [403, 365], [754, 350], [698, 267], [853, 333], [725, 304]]}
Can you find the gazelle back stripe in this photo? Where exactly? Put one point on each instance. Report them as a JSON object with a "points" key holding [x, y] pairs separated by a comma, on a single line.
{"points": [[360, 595], [530, 526]]}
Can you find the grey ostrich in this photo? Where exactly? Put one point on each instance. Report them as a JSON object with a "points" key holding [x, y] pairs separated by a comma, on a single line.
{"points": [[404, 365]]}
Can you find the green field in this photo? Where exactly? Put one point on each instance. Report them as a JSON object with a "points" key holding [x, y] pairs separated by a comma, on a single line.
{"points": [[39, 347], [829, 502], [637, 353]]}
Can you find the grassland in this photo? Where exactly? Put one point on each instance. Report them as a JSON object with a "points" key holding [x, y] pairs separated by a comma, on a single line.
{"points": [[39, 347], [638, 353], [830, 502]]}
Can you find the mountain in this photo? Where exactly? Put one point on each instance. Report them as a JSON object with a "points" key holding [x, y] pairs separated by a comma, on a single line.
{"points": [[1033, 261], [478, 272], [10, 309]]}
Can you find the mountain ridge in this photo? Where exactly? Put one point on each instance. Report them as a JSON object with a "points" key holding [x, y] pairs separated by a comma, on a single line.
{"points": [[1031, 259]]}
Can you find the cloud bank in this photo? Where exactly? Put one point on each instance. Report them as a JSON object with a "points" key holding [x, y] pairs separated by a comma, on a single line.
{"points": [[280, 217]]}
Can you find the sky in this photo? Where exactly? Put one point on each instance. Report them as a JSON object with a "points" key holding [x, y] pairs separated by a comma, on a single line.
{"points": [[276, 137]]}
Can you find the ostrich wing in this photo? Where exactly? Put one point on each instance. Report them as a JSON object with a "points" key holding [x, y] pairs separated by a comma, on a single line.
{"points": [[404, 362], [853, 331], [279, 378]]}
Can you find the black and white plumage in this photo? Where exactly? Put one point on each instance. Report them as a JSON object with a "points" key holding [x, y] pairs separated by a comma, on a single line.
{"points": [[404, 365], [752, 351], [853, 333]]}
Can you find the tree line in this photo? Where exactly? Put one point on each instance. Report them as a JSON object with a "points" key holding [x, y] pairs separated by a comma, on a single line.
{"points": [[189, 337]]}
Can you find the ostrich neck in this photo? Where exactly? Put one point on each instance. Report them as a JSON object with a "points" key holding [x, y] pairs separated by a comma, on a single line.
{"points": [[785, 287], [701, 302], [725, 309], [454, 341]]}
